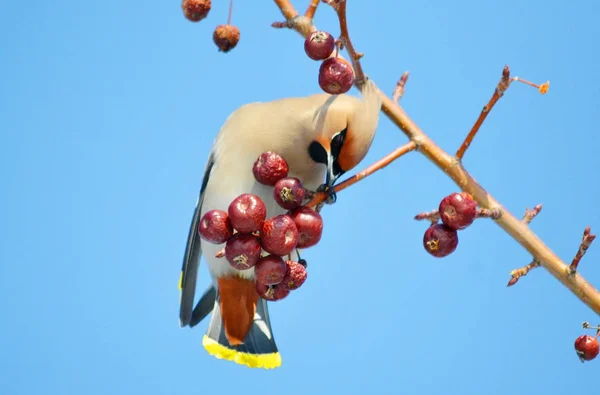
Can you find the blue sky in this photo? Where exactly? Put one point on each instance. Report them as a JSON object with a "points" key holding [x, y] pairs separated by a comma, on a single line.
{"points": [[108, 110]]}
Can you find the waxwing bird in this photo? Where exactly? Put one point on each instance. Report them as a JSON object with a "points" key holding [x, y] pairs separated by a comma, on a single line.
{"points": [[321, 137]]}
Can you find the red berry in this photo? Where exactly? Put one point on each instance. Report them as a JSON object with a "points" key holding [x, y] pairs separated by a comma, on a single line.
{"points": [[269, 168], [587, 347], [458, 210], [247, 213], [270, 270], [242, 250], [440, 240], [196, 10], [295, 277], [279, 235], [215, 227], [226, 37], [309, 224], [319, 45], [271, 292], [336, 76], [289, 193]]}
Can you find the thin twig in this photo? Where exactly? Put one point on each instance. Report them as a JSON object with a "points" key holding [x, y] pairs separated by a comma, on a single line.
{"points": [[312, 8], [380, 164], [531, 214], [434, 215], [586, 241], [520, 272], [494, 213], [399, 90], [542, 88], [519, 231], [502, 86], [287, 9], [498, 93]]}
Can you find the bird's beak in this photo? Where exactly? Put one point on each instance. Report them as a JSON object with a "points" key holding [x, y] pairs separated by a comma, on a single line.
{"points": [[331, 176]]}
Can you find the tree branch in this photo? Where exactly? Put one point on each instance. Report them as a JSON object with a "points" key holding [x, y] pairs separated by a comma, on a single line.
{"points": [[312, 8], [498, 93], [455, 170], [380, 164]]}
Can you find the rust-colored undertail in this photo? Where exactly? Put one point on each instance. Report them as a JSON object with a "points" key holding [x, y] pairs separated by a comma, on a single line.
{"points": [[238, 299]]}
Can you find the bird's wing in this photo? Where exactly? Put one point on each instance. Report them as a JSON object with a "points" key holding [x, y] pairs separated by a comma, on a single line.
{"points": [[193, 253]]}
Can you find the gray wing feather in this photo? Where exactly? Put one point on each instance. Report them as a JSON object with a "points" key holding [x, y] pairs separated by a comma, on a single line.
{"points": [[204, 306], [193, 253]]}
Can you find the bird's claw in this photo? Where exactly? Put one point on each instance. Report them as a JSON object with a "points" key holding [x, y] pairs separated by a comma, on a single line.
{"points": [[330, 191]]}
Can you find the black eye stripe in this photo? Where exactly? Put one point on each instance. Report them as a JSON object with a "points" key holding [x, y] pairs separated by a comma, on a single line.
{"points": [[336, 143], [317, 153]]}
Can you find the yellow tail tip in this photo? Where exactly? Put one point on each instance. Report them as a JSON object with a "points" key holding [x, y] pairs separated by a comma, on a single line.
{"points": [[265, 361], [180, 284]]}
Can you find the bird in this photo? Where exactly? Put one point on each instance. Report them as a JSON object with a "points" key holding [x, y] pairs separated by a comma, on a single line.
{"points": [[321, 136]]}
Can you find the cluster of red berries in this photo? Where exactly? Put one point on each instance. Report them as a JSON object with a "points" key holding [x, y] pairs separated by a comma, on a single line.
{"points": [[225, 36], [457, 211], [335, 74], [255, 241]]}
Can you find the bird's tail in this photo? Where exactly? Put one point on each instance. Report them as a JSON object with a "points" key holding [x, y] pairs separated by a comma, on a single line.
{"points": [[258, 349]]}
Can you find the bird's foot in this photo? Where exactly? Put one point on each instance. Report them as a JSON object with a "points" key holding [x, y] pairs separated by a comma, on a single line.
{"points": [[330, 191]]}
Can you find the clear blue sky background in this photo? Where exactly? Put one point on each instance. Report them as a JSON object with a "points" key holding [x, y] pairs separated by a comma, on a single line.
{"points": [[108, 110]]}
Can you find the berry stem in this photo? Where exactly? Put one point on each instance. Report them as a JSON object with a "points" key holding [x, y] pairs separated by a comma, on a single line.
{"points": [[312, 8], [454, 169], [399, 90], [586, 241], [230, 9], [380, 164], [339, 45], [586, 325]]}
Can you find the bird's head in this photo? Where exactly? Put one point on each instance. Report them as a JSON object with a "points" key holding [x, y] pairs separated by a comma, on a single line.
{"points": [[345, 130]]}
